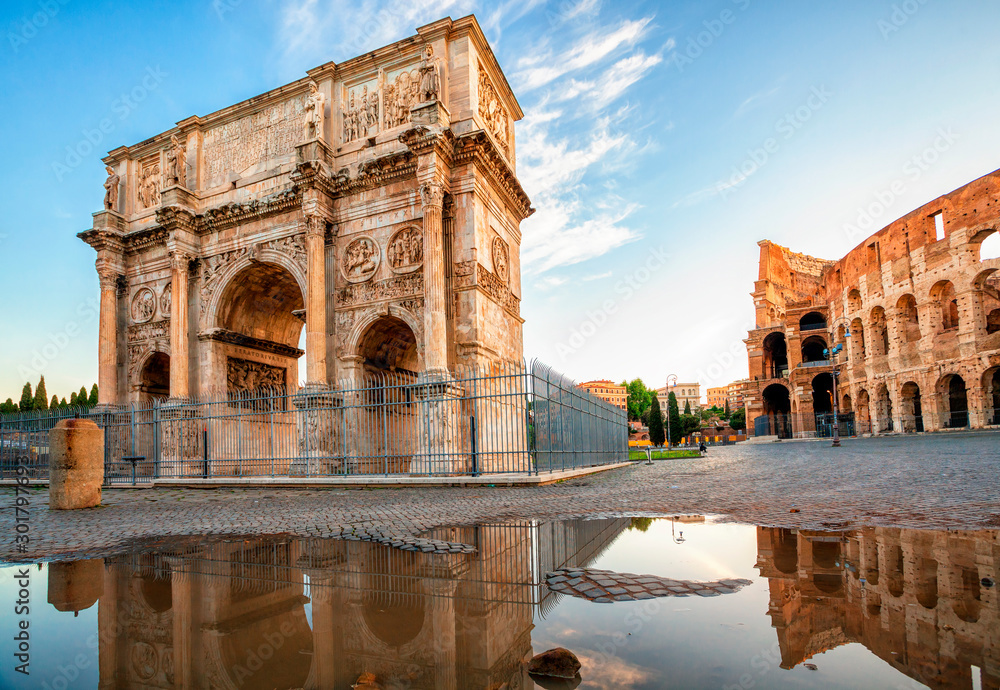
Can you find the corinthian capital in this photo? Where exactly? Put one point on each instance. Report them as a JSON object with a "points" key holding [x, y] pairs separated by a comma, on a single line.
{"points": [[180, 260], [431, 194], [315, 225], [109, 278]]}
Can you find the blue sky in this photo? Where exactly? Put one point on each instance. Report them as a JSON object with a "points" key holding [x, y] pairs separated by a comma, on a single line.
{"points": [[661, 141]]}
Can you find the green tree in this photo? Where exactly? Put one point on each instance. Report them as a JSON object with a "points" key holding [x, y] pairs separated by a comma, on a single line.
{"points": [[690, 423], [642, 524], [726, 412], [687, 407], [54, 403], [738, 420], [8, 407], [676, 431], [63, 405], [92, 400], [72, 399], [655, 423], [27, 399], [639, 399], [81, 397], [41, 396]]}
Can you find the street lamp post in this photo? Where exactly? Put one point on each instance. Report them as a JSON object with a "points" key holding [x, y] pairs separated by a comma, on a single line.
{"points": [[836, 400]]}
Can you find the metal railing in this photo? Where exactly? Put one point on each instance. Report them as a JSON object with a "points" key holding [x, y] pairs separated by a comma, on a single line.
{"points": [[494, 419]]}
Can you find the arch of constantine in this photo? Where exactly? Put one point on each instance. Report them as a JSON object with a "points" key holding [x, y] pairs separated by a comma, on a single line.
{"points": [[373, 204], [916, 311], [369, 211]]}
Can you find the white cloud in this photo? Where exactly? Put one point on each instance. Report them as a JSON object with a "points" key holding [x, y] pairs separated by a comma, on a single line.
{"points": [[311, 30], [755, 100], [598, 276], [540, 70]]}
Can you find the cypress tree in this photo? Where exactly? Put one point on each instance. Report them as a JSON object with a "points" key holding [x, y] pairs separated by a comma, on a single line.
{"points": [[63, 405], [54, 404], [72, 399], [656, 425], [676, 432], [27, 399], [687, 407], [727, 412], [8, 407], [81, 397], [92, 401], [41, 396]]}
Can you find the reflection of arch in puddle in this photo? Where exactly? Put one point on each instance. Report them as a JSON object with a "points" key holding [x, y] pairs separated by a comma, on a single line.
{"points": [[786, 552], [271, 652], [894, 570], [828, 583], [157, 592], [927, 583], [967, 605], [394, 606], [826, 554]]}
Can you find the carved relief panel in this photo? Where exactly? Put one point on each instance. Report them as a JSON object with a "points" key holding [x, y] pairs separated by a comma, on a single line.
{"points": [[493, 113], [361, 111], [166, 300], [401, 93], [405, 250], [243, 376], [361, 259], [149, 182]]}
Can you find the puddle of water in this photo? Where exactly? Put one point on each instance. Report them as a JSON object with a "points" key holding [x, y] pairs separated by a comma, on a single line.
{"points": [[689, 604]]}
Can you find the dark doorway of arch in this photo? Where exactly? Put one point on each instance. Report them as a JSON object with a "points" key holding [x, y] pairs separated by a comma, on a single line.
{"points": [[154, 381], [957, 398], [775, 356], [777, 417]]}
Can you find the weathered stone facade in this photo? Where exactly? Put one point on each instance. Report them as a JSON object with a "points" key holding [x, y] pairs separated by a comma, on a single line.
{"points": [[921, 306], [922, 601], [373, 203]]}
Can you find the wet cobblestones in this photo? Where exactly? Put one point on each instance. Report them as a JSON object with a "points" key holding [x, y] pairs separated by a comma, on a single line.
{"points": [[941, 482]]}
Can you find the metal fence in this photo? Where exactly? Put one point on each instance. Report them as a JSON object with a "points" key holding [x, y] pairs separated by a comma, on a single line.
{"points": [[500, 418]]}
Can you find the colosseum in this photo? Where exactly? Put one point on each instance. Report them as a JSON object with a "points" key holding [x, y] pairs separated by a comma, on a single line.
{"points": [[915, 311]]}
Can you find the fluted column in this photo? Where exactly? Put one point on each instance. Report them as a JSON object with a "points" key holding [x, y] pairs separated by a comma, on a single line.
{"points": [[435, 324], [179, 377], [107, 347], [316, 301]]}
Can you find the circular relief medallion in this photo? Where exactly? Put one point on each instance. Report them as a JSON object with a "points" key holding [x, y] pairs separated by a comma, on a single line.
{"points": [[406, 250], [501, 259], [361, 259], [144, 660], [143, 306], [166, 300]]}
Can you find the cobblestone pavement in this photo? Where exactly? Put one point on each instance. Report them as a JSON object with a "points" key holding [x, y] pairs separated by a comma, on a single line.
{"points": [[607, 587], [939, 481]]}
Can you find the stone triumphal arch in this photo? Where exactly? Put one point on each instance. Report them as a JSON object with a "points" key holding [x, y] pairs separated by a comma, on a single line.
{"points": [[372, 205]]}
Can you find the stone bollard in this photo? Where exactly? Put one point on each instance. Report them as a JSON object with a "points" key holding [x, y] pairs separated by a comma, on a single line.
{"points": [[76, 585], [76, 465]]}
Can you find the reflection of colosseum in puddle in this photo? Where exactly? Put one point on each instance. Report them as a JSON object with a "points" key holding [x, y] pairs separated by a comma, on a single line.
{"points": [[913, 597], [234, 614]]}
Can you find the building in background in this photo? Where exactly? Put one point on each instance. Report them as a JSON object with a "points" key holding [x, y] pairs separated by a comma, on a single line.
{"points": [[717, 397], [916, 307], [608, 391], [734, 393], [684, 392]]}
